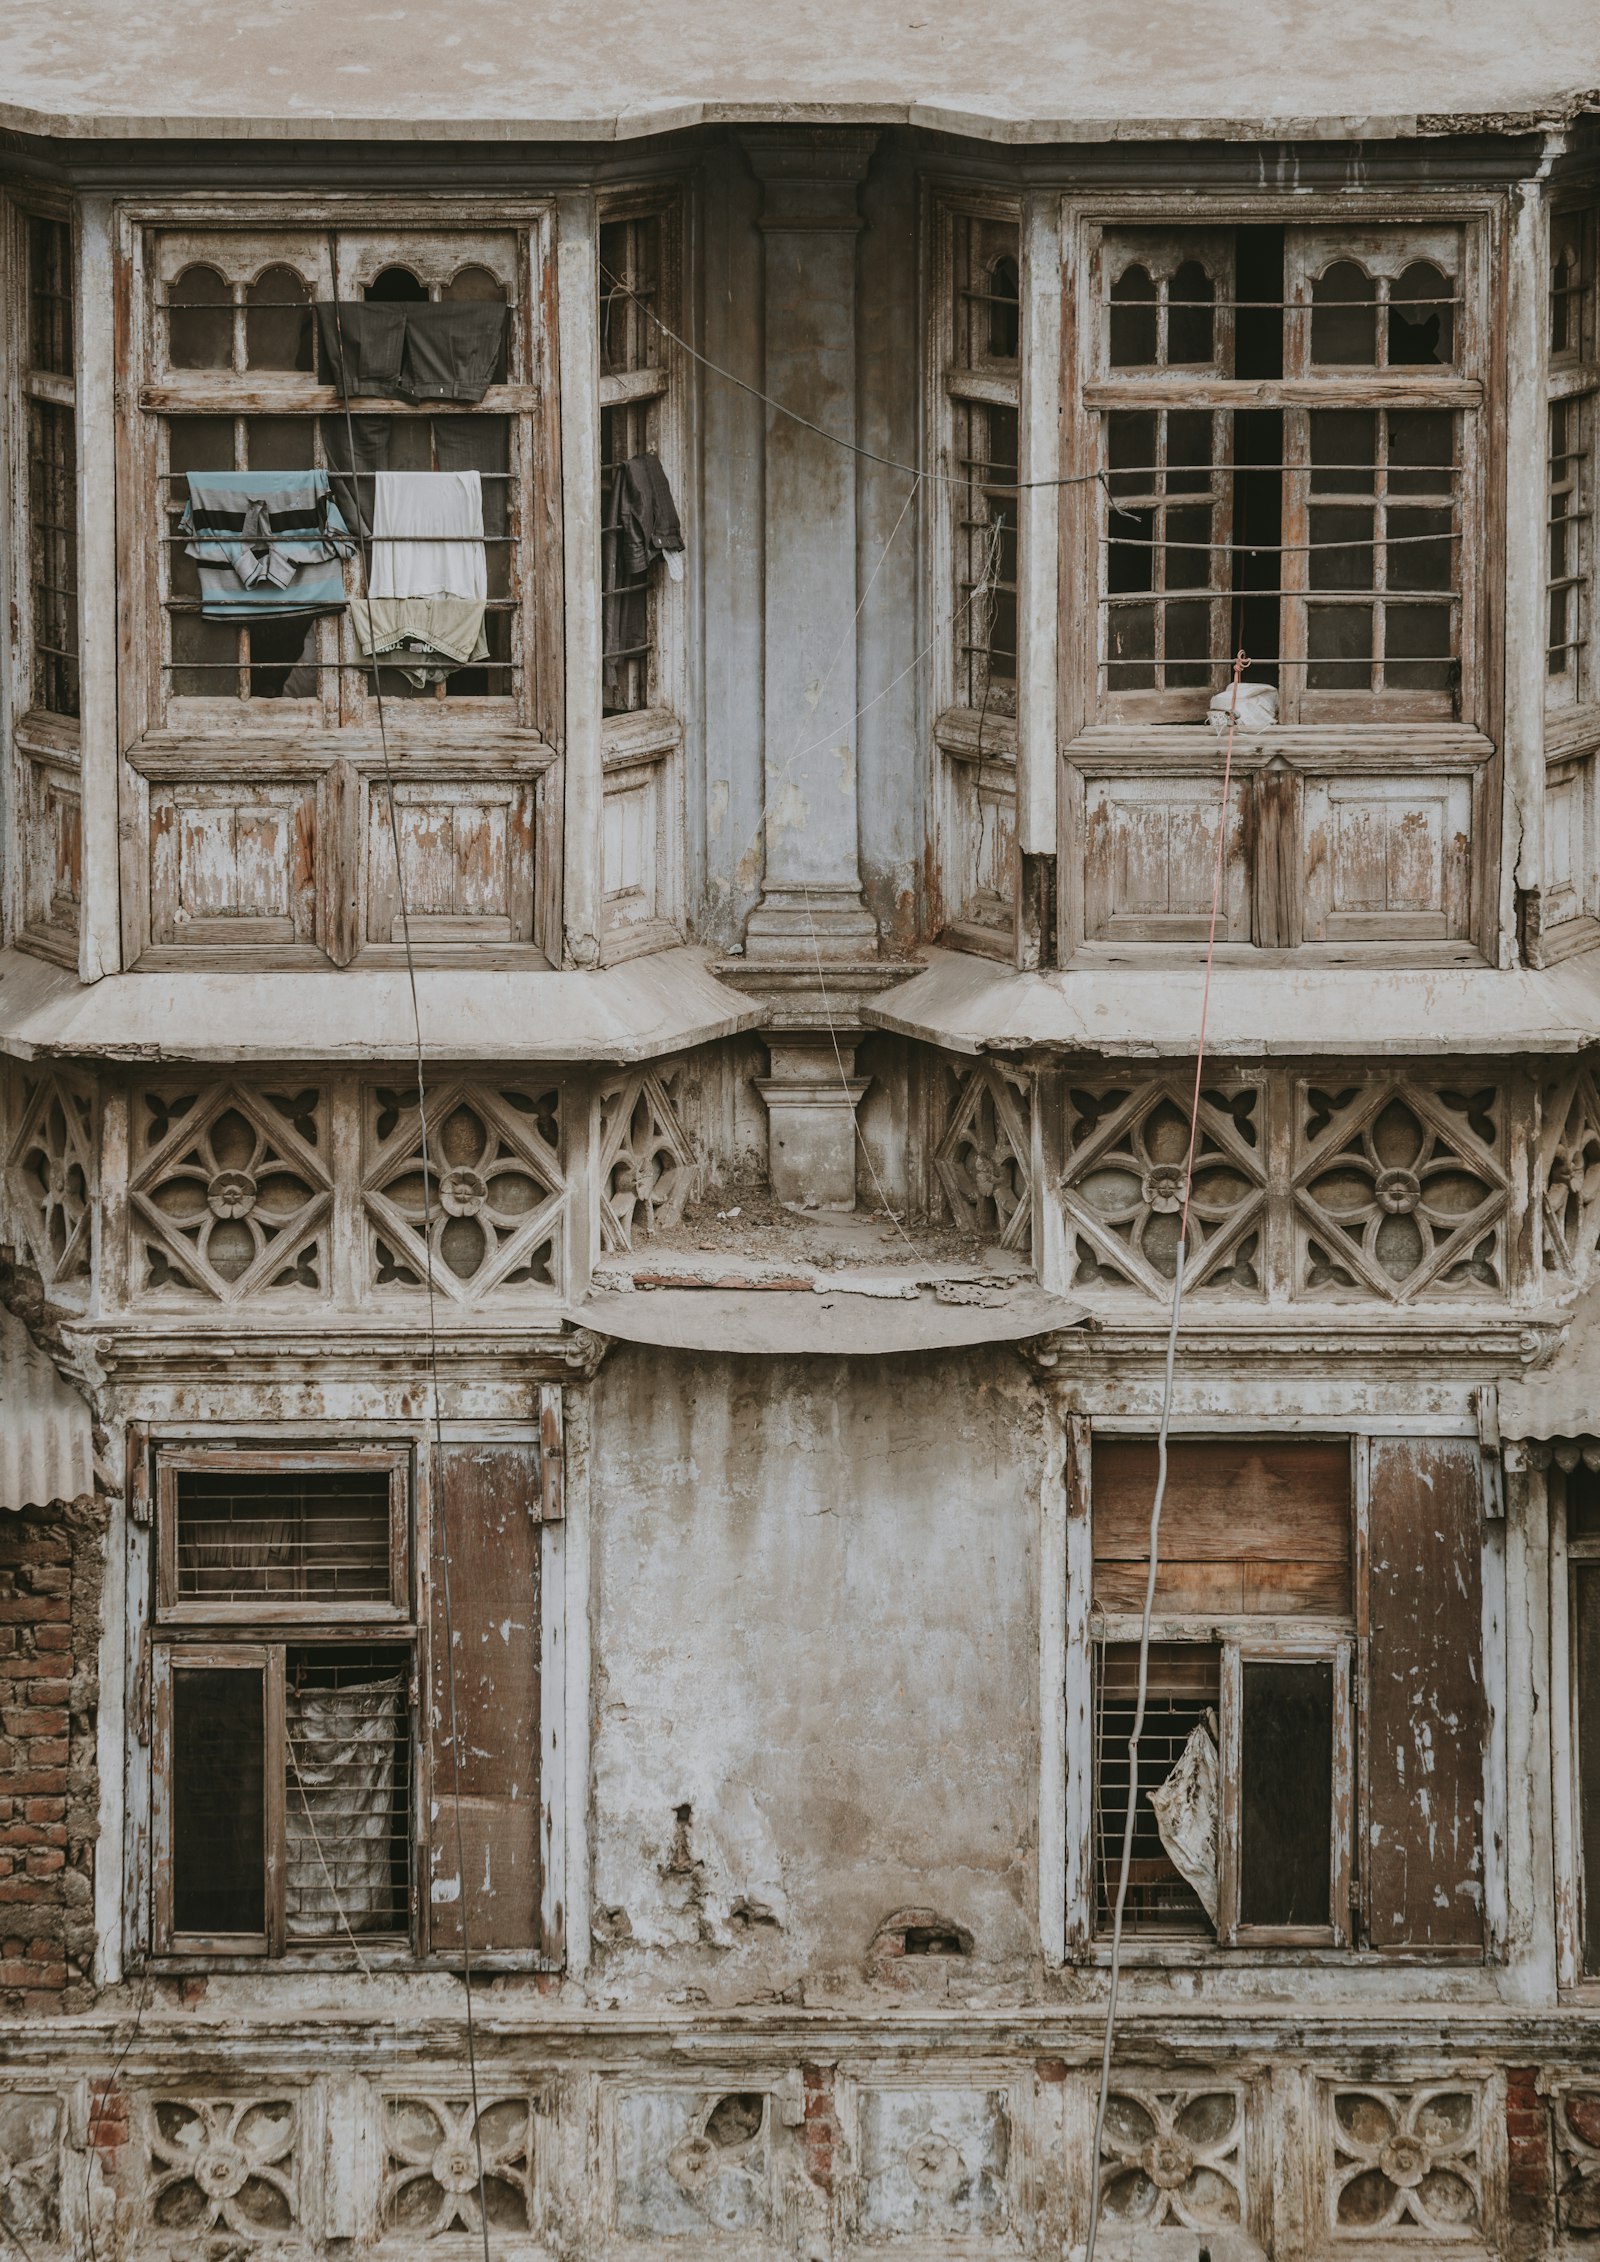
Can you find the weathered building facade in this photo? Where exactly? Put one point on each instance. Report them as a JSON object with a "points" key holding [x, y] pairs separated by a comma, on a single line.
{"points": [[598, 1115]]}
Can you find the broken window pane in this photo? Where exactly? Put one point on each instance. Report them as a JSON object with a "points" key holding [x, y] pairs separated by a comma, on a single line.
{"points": [[1285, 1793], [218, 1799], [1183, 1694]]}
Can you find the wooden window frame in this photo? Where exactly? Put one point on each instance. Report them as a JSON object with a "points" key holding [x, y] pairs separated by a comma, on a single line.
{"points": [[173, 1611], [44, 806], [1569, 1557], [157, 1636], [331, 744], [1341, 737], [642, 748], [974, 747], [1572, 381], [167, 1661]]}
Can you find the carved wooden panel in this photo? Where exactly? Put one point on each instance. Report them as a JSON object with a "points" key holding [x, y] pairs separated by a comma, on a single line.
{"points": [[231, 1192], [1406, 2165], [1401, 1189], [233, 864], [984, 1159], [50, 1177], [648, 1164], [223, 2165], [466, 862], [1123, 1185], [1149, 860], [1174, 2158], [1387, 859], [1577, 2135], [978, 870], [1570, 848], [50, 843], [631, 823], [1567, 1175], [693, 2167], [432, 2147], [475, 1196]]}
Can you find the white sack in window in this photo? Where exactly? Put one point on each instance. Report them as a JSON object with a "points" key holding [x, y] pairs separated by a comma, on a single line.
{"points": [[1186, 1807], [339, 1808]]}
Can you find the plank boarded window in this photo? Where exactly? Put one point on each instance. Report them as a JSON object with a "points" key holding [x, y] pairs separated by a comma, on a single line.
{"points": [[1243, 1826], [348, 1725], [1282, 419], [52, 468]]}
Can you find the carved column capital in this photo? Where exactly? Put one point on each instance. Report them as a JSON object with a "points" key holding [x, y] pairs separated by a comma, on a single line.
{"points": [[810, 176]]}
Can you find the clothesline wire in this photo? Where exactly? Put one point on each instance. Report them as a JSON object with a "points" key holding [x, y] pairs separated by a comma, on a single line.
{"points": [[441, 1519], [1163, 1431]]}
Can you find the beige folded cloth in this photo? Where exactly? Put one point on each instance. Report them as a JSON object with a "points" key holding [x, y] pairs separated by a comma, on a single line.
{"points": [[446, 631]]}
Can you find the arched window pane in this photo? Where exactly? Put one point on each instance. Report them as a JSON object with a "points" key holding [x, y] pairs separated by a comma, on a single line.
{"points": [[277, 322], [1133, 320], [1005, 311], [1344, 316], [200, 320], [397, 285], [1191, 317]]}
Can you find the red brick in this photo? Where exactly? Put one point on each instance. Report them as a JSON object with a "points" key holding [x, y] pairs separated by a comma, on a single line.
{"points": [[45, 1810], [38, 1783], [33, 1720], [52, 1637]]}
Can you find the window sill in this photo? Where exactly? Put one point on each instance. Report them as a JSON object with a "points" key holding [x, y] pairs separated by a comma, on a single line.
{"points": [[465, 743], [647, 735], [1207, 1956], [56, 737], [1383, 746], [1571, 731], [489, 1962]]}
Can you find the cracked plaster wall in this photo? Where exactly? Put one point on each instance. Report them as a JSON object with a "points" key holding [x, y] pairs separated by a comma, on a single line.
{"points": [[816, 1679]]}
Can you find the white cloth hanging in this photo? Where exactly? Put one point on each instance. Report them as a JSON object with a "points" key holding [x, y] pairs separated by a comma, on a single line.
{"points": [[427, 535]]}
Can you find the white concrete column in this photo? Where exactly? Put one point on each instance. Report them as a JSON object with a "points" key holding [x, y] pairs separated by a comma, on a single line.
{"points": [[100, 755], [1039, 523], [811, 901]]}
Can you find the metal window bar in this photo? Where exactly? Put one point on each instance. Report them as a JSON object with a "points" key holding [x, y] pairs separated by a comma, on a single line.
{"points": [[986, 626], [53, 555], [50, 328], [1570, 537], [1184, 1689], [347, 1793], [628, 429], [257, 1535], [630, 286]]}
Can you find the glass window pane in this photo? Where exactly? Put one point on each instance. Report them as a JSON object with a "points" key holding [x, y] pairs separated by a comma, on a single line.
{"points": [[1344, 317], [1341, 555], [277, 322], [50, 296], [1191, 299], [1133, 319], [1285, 1793], [200, 320], [1421, 318], [218, 1799], [1416, 648], [1339, 647]]}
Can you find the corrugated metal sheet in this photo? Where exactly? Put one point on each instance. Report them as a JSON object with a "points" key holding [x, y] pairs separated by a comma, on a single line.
{"points": [[46, 1445], [1563, 1401]]}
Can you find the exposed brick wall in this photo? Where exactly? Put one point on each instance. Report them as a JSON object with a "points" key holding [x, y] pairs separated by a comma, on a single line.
{"points": [[49, 1636], [1528, 2186]]}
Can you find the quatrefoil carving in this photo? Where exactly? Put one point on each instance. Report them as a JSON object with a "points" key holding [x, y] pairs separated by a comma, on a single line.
{"points": [[230, 1194]]}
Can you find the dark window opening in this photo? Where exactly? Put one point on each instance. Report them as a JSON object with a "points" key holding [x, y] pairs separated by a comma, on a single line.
{"points": [[396, 286], [1184, 1692], [219, 1800], [53, 555], [50, 323], [1285, 1793]]}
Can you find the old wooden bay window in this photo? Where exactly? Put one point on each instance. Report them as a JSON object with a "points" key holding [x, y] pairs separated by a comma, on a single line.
{"points": [[320, 1772], [1278, 449], [1314, 1656], [1571, 903], [45, 591], [251, 713], [977, 351]]}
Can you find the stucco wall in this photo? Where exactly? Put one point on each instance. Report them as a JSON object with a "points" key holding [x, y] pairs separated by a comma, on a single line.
{"points": [[816, 1681]]}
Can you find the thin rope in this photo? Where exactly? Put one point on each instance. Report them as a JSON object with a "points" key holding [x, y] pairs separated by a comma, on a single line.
{"points": [[440, 1520], [1162, 1433]]}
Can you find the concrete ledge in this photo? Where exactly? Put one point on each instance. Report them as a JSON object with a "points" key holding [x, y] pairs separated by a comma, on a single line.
{"points": [[975, 1005], [638, 1011], [830, 1319]]}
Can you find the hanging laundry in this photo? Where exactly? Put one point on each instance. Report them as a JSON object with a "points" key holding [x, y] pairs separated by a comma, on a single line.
{"points": [[434, 350], [268, 544], [429, 579], [641, 526]]}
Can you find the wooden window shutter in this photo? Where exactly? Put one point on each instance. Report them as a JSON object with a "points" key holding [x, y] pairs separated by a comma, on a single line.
{"points": [[487, 1511], [1426, 1718]]}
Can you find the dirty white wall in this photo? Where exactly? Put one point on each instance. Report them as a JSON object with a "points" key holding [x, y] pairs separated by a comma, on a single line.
{"points": [[816, 1620]]}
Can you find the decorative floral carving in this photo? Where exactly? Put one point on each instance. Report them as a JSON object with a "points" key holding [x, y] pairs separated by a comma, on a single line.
{"points": [[934, 2164], [231, 1192], [1406, 2163], [688, 2165], [648, 1166], [484, 1206], [1577, 2126], [983, 1160], [223, 2165], [1174, 2157], [1123, 1186], [51, 1173], [1401, 1190], [1567, 1174], [30, 2167], [431, 2165]]}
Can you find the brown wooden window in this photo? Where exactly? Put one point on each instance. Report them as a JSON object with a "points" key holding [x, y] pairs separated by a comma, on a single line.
{"points": [[1316, 1630], [982, 387], [634, 298], [1582, 1487], [1282, 428], [1574, 383], [52, 468], [343, 1736]]}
